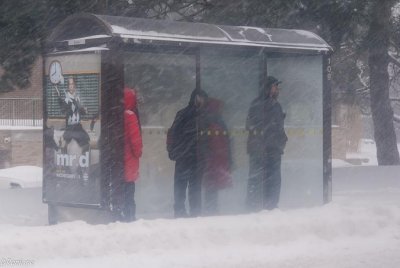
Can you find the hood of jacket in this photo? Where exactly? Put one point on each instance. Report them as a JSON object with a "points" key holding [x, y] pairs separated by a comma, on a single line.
{"points": [[196, 92], [214, 106], [130, 101]]}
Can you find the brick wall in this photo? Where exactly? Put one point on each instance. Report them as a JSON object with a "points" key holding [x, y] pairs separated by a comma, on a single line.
{"points": [[347, 132], [339, 143], [27, 147], [21, 147], [5, 148]]}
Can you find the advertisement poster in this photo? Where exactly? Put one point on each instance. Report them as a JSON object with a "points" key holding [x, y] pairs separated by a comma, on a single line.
{"points": [[72, 129]]}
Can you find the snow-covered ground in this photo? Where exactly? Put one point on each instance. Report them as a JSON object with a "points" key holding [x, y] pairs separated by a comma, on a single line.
{"points": [[366, 154], [359, 228], [21, 176]]}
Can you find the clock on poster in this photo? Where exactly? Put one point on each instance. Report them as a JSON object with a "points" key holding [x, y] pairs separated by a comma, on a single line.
{"points": [[55, 73]]}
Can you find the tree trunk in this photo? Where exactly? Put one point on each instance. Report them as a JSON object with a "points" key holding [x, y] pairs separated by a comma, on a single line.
{"points": [[382, 113]]}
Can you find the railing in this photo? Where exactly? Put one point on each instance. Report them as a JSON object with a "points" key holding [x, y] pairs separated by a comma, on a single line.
{"points": [[25, 112]]}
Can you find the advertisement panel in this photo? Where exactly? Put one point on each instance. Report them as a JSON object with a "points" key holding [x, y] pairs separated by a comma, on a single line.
{"points": [[72, 129]]}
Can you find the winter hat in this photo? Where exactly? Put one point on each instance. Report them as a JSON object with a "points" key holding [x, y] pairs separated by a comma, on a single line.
{"points": [[270, 81]]}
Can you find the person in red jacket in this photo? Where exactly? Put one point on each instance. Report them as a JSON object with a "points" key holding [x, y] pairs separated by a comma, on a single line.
{"points": [[216, 154], [133, 151]]}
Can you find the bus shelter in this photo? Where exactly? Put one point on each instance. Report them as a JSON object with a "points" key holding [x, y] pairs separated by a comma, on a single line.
{"points": [[164, 61]]}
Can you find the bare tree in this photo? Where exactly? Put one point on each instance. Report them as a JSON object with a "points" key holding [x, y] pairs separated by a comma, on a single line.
{"points": [[382, 113]]}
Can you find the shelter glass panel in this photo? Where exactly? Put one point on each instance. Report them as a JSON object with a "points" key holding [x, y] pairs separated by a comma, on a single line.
{"points": [[233, 78], [301, 96], [163, 82]]}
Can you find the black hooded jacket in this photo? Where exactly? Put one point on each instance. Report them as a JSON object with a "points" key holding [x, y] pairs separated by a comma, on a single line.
{"points": [[265, 123], [182, 136]]}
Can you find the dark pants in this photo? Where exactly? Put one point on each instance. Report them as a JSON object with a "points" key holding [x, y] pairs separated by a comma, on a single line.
{"points": [[79, 134], [187, 177], [129, 205], [264, 184]]}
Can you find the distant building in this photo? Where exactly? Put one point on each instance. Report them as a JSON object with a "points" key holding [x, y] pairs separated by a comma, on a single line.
{"points": [[21, 114]]}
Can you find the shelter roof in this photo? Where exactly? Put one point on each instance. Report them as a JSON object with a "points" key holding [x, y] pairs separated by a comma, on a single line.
{"points": [[90, 26]]}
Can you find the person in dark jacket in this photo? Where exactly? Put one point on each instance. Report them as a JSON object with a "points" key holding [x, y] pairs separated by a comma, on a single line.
{"points": [[182, 147], [133, 151], [215, 154], [265, 145]]}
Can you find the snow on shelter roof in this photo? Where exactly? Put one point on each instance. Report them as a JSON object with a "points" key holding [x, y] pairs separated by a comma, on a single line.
{"points": [[81, 26]]}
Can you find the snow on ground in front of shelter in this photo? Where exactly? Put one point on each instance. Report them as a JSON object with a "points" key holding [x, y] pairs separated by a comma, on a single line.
{"points": [[359, 228]]}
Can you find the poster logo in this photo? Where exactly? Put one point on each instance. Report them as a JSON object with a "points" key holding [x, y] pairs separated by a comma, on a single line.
{"points": [[67, 160]]}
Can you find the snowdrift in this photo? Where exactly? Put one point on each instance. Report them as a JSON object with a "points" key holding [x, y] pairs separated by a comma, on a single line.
{"points": [[360, 228]]}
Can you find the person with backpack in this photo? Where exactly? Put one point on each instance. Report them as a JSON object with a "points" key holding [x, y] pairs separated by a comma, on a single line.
{"points": [[198, 142], [182, 147]]}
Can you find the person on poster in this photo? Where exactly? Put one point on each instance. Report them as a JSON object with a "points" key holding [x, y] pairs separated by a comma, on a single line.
{"points": [[73, 109], [132, 152], [215, 153], [266, 142], [182, 145]]}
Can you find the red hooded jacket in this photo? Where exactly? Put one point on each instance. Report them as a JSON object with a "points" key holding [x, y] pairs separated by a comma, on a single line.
{"points": [[133, 137], [218, 164]]}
